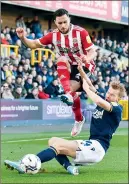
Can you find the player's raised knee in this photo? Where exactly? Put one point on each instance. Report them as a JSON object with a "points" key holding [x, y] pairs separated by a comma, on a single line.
{"points": [[62, 59], [52, 141]]}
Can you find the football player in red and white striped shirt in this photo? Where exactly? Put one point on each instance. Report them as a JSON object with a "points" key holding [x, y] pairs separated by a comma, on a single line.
{"points": [[71, 42]]}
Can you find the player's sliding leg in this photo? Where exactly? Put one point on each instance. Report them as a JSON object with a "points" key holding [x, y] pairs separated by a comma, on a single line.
{"points": [[14, 165], [65, 148], [59, 153], [58, 149], [64, 161]]}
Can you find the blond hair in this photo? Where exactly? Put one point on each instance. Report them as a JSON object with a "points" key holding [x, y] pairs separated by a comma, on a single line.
{"points": [[118, 86]]}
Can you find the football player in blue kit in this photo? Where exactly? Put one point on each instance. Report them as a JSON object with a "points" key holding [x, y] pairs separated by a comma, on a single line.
{"points": [[105, 120]]}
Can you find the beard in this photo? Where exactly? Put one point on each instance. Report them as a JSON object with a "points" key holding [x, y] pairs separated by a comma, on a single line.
{"points": [[69, 28], [64, 32]]}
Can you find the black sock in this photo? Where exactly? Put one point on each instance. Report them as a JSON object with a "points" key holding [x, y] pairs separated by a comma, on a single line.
{"points": [[63, 160], [47, 154]]}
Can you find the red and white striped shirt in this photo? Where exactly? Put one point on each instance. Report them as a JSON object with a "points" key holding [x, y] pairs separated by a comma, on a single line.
{"points": [[75, 43]]}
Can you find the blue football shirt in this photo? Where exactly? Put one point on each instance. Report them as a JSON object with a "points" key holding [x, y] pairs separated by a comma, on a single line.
{"points": [[105, 123]]}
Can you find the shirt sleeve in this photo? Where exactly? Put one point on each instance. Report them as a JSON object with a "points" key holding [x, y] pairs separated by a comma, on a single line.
{"points": [[86, 41], [45, 40], [115, 107]]}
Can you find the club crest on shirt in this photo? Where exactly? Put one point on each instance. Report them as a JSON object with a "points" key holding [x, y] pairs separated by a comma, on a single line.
{"points": [[74, 40], [88, 39]]}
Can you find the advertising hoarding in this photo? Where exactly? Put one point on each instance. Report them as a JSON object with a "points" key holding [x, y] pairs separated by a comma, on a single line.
{"points": [[124, 12], [102, 10], [21, 110]]}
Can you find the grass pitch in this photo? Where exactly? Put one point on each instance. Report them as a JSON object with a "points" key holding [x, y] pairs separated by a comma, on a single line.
{"points": [[112, 169]]}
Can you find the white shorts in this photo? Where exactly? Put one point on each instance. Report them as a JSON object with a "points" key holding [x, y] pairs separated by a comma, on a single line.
{"points": [[89, 152]]}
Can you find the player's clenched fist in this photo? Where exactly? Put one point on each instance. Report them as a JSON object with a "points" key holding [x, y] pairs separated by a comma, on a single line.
{"points": [[20, 32]]}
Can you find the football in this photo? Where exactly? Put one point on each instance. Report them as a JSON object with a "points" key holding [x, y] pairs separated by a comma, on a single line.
{"points": [[30, 163]]}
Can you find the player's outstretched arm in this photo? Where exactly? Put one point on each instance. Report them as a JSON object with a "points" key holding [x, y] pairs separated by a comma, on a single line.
{"points": [[91, 54], [84, 76], [95, 98], [33, 44]]}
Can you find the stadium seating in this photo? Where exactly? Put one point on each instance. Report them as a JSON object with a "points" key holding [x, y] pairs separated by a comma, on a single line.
{"points": [[16, 58]]}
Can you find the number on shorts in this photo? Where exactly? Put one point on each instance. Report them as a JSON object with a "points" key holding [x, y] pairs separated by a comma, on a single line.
{"points": [[87, 143]]}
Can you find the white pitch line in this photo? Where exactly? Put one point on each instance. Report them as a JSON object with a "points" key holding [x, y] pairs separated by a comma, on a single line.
{"points": [[28, 140], [43, 139]]}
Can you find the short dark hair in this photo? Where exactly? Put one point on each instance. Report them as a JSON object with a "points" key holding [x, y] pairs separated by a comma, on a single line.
{"points": [[19, 76], [60, 12]]}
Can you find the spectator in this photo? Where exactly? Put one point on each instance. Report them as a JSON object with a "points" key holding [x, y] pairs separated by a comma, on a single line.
{"points": [[42, 94], [18, 80], [114, 71], [9, 82], [7, 30], [20, 70], [101, 88], [13, 35], [32, 36], [55, 75], [7, 94], [36, 27], [27, 22], [102, 43], [26, 68], [39, 79], [20, 22], [17, 92], [34, 74], [109, 45], [44, 60], [4, 86], [9, 39], [39, 67], [122, 77], [14, 58], [4, 70], [28, 35], [50, 76], [44, 83], [50, 65], [35, 84], [28, 84], [25, 52], [33, 94], [3, 39], [53, 89]]}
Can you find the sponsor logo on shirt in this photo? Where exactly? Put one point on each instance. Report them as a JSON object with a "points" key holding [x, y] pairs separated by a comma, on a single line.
{"points": [[67, 50], [88, 39], [98, 114]]}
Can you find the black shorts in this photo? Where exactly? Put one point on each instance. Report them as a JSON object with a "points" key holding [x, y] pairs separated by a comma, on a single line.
{"points": [[75, 75]]}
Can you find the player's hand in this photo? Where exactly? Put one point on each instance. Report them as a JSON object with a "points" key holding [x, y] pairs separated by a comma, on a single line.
{"points": [[80, 65], [83, 58], [85, 85], [20, 32]]}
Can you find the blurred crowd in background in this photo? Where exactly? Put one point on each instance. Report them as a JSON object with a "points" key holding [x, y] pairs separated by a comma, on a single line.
{"points": [[19, 79]]}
